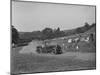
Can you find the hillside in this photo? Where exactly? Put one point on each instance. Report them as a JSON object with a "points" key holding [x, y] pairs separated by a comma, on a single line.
{"points": [[40, 35], [92, 30]]}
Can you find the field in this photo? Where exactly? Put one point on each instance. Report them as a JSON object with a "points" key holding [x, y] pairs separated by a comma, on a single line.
{"points": [[25, 59]]}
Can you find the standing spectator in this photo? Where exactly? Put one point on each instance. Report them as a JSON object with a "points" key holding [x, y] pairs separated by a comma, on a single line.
{"points": [[58, 50]]}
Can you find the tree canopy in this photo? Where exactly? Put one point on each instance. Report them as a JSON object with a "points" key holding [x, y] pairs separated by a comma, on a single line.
{"points": [[15, 35]]}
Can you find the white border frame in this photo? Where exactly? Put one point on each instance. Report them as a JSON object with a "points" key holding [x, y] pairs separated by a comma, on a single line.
{"points": [[5, 37]]}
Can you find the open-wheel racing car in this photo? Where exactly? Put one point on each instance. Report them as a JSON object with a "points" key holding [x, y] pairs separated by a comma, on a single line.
{"points": [[54, 49]]}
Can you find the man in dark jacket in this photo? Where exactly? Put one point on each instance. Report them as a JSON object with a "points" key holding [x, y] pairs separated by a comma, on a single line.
{"points": [[58, 50]]}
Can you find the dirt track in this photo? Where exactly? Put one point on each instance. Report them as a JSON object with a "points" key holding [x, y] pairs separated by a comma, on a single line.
{"points": [[31, 48]]}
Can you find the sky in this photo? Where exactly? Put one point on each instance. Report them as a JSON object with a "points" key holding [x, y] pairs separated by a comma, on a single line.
{"points": [[33, 16]]}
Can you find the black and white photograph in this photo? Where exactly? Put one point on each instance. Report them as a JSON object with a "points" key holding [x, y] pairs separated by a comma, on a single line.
{"points": [[52, 37]]}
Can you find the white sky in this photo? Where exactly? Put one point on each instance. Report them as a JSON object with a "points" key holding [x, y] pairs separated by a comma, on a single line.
{"points": [[32, 16]]}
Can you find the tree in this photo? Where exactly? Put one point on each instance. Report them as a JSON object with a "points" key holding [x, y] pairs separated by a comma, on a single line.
{"points": [[79, 30], [57, 33], [87, 26], [58, 29], [93, 25], [47, 30], [47, 33], [15, 35]]}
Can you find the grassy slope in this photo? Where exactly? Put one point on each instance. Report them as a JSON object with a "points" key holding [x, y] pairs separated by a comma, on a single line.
{"points": [[93, 29], [27, 63]]}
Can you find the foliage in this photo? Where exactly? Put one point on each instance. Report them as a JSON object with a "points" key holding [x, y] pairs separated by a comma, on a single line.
{"points": [[49, 33], [15, 35]]}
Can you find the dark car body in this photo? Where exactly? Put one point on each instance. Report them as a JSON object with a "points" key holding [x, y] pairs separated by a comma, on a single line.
{"points": [[55, 49]]}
